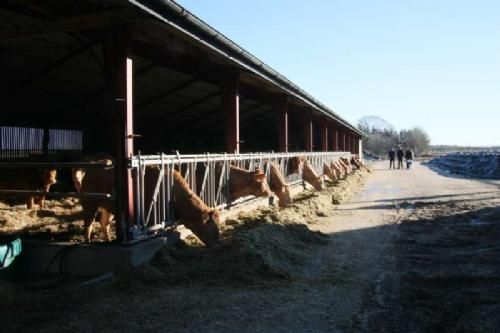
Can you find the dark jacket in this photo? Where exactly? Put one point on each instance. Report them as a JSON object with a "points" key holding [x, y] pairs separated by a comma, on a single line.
{"points": [[392, 154], [400, 153], [409, 155]]}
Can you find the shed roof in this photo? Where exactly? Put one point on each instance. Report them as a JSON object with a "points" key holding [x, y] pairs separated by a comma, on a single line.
{"points": [[180, 18], [52, 47]]}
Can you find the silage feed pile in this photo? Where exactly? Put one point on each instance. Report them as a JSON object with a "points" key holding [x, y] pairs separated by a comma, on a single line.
{"points": [[263, 245], [477, 165]]}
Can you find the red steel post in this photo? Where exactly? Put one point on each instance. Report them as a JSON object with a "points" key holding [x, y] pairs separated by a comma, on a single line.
{"points": [[281, 112], [231, 105], [336, 138], [324, 135], [119, 64], [342, 140], [308, 130]]}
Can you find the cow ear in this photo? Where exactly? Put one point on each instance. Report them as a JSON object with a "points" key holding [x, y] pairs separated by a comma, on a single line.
{"points": [[260, 176]]}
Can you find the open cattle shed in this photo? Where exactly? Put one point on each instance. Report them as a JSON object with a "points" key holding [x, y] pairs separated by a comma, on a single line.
{"points": [[127, 76]]}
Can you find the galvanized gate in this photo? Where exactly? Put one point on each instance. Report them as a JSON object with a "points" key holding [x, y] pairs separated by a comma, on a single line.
{"points": [[207, 176]]}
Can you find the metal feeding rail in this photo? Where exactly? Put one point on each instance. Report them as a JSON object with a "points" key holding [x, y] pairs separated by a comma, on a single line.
{"points": [[207, 175]]}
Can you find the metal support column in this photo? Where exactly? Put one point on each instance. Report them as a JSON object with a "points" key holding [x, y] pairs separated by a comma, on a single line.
{"points": [[334, 139], [308, 131], [348, 142], [281, 112], [342, 140], [231, 105], [324, 135], [119, 65]]}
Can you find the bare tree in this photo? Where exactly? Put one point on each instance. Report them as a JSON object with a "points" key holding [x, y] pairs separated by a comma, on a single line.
{"points": [[381, 134], [371, 124], [416, 139]]}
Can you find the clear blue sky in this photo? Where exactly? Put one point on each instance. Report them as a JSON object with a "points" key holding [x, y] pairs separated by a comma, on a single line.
{"points": [[428, 63]]}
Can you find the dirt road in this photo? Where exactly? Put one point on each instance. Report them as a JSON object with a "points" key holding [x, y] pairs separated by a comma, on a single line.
{"points": [[412, 251]]}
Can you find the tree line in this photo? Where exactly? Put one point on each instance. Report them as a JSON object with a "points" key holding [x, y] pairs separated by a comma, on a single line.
{"points": [[382, 137]]}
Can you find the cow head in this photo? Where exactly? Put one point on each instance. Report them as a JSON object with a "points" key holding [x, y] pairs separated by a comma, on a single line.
{"points": [[77, 175], [294, 164], [312, 177], [49, 177], [209, 233], [258, 184], [284, 196], [329, 172]]}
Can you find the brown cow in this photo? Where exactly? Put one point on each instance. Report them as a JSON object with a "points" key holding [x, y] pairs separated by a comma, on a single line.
{"points": [[27, 179], [98, 181], [310, 176], [279, 186], [243, 182], [79, 172], [338, 168], [329, 172], [202, 220], [188, 207], [355, 162], [347, 163], [346, 168], [294, 165]]}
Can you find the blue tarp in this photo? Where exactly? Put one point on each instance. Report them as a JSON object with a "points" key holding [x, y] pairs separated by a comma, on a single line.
{"points": [[9, 251]]}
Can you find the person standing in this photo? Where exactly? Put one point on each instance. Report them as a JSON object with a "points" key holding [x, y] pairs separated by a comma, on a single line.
{"points": [[409, 158], [400, 154], [392, 156]]}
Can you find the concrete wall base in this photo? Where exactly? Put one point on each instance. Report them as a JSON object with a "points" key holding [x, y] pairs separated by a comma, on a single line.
{"points": [[89, 259]]}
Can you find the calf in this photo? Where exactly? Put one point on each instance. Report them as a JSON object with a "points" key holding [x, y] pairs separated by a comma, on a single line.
{"points": [[27, 179], [202, 220], [243, 182], [279, 185], [79, 172], [310, 176], [96, 180]]}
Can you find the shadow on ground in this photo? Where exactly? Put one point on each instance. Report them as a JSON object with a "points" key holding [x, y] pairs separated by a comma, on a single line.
{"points": [[447, 257]]}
